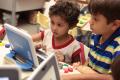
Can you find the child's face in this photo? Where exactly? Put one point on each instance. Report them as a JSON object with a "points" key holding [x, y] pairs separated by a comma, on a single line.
{"points": [[99, 25], [59, 26]]}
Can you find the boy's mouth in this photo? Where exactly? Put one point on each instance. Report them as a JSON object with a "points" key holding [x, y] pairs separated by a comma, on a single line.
{"points": [[91, 28]]}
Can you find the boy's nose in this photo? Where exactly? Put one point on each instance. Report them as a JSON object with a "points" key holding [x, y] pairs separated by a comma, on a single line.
{"points": [[91, 22], [54, 28]]}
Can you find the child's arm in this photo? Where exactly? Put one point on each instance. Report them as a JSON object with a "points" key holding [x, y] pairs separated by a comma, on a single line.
{"points": [[87, 76], [85, 69], [37, 37]]}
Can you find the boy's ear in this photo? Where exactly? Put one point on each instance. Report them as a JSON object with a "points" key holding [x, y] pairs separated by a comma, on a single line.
{"points": [[116, 24]]}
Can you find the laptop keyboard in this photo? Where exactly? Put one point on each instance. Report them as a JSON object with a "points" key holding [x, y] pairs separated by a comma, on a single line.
{"points": [[40, 59], [41, 56], [41, 53]]}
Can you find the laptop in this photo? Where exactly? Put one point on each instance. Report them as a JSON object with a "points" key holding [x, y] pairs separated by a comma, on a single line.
{"points": [[24, 54], [47, 70], [23, 51], [9, 72]]}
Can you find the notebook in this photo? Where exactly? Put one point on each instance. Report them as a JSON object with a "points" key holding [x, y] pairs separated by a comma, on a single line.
{"points": [[23, 51]]}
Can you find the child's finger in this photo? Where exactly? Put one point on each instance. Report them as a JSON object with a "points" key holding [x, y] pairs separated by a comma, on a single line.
{"points": [[44, 47], [76, 64], [59, 55], [38, 46]]}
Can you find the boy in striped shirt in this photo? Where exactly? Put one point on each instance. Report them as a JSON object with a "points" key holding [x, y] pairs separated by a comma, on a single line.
{"points": [[105, 41]]}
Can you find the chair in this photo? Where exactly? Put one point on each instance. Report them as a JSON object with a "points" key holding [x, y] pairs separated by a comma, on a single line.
{"points": [[43, 20], [2, 33], [84, 53]]}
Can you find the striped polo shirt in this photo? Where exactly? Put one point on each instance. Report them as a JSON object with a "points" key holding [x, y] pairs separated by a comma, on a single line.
{"points": [[102, 55]]}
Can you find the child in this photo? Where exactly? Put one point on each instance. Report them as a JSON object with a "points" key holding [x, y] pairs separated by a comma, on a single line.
{"points": [[105, 42], [116, 68], [63, 16]]}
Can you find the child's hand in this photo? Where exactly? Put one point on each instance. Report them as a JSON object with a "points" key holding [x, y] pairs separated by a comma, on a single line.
{"points": [[44, 47], [38, 46], [59, 55], [76, 64]]}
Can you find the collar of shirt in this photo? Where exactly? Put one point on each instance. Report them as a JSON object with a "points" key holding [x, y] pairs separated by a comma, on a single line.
{"points": [[108, 41]]}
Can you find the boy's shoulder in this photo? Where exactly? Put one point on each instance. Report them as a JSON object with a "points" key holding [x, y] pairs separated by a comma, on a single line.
{"points": [[116, 34], [117, 45], [117, 39]]}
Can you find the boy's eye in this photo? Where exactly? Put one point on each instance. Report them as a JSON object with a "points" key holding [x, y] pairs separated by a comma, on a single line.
{"points": [[59, 25], [94, 18], [52, 22]]}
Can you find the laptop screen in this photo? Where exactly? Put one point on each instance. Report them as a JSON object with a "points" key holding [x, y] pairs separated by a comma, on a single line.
{"points": [[22, 44]]}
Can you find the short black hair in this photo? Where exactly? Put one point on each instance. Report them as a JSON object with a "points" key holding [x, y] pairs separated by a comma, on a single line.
{"points": [[110, 9], [68, 10]]}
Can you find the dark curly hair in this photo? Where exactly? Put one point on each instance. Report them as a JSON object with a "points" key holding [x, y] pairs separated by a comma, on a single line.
{"points": [[108, 8], [68, 10]]}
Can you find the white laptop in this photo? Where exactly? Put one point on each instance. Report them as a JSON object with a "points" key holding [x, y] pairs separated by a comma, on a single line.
{"points": [[47, 70], [8, 72], [23, 50]]}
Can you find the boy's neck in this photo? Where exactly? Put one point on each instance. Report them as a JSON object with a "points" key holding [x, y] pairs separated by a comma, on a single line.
{"points": [[62, 39], [105, 37]]}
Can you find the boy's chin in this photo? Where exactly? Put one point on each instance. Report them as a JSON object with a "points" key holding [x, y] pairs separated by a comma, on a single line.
{"points": [[96, 33], [56, 36]]}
